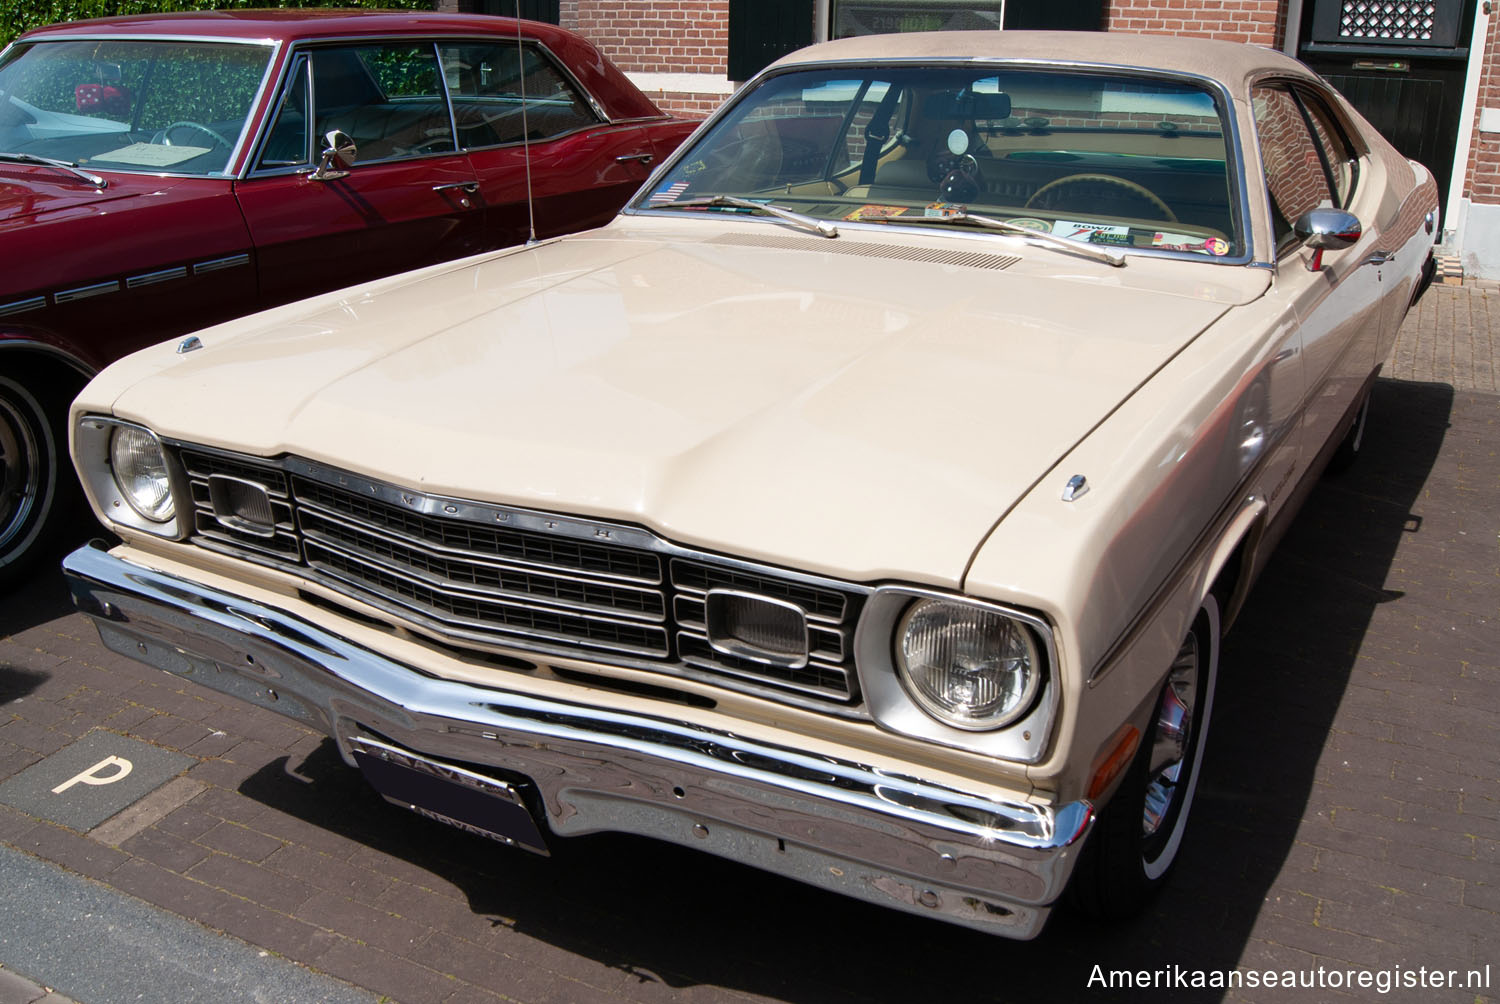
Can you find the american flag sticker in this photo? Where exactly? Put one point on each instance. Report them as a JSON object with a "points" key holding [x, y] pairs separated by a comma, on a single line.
{"points": [[669, 194]]}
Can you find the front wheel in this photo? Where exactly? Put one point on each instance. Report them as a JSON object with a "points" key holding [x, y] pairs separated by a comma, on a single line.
{"points": [[34, 487], [1139, 834]]}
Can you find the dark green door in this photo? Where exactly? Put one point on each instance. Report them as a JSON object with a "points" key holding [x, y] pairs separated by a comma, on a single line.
{"points": [[1402, 64]]}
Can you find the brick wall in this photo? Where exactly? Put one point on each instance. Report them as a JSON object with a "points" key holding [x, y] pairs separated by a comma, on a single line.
{"points": [[1256, 21], [655, 36], [685, 105], [1484, 161]]}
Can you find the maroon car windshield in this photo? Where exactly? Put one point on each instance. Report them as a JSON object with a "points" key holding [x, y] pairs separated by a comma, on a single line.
{"points": [[161, 107]]}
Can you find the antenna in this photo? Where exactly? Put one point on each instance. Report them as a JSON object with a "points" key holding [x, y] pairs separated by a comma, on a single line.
{"points": [[525, 129]]}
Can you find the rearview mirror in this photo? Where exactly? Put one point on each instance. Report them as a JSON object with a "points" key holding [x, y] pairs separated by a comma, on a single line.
{"points": [[967, 105], [339, 154]]}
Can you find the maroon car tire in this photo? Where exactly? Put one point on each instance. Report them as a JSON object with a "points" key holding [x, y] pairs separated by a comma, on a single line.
{"points": [[37, 488]]}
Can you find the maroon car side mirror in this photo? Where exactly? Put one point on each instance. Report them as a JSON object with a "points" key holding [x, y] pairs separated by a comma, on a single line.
{"points": [[339, 154]]}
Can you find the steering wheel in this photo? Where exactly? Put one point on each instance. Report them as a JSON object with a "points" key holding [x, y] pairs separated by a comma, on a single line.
{"points": [[943, 162], [1140, 191], [164, 134]]}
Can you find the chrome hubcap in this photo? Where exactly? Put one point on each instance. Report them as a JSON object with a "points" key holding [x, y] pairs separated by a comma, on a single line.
{"points": [[20, 471], [1174, 734]]}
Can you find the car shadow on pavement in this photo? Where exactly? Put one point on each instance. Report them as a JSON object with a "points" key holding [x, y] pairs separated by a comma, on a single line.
{"points": [[662, 914], [42, 597]]}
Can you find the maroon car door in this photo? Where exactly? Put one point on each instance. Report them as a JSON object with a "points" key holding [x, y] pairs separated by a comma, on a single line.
{"points": [[408, 199], [582, 167]]}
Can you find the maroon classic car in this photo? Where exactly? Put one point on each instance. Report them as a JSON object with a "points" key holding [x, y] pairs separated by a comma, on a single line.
{"points": [[165, 172]]}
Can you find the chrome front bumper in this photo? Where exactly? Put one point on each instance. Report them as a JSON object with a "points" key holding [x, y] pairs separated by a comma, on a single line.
{"points": [[890, 839]]}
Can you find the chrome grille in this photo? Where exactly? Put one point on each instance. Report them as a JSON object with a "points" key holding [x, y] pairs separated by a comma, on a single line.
{"points": [[529, 548], [209, 530], [830, 627], [555, 585]]}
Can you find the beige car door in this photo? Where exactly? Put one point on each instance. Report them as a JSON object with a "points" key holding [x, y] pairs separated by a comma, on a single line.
{"points": [[1335, 296]]}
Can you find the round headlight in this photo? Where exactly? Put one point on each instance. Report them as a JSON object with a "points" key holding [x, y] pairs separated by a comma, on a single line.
{"points": [[140, 469], [968, 666]]}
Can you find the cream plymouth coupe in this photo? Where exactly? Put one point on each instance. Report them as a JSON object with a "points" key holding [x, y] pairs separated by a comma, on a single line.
{"points": [[866, 503]]}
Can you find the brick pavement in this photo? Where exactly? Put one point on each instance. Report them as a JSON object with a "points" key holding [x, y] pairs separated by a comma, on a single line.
{"points": [[1349, 813]]}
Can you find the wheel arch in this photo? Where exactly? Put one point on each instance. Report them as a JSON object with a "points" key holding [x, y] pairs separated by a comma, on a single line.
{"points": [[32, 351], [1232, 563]]}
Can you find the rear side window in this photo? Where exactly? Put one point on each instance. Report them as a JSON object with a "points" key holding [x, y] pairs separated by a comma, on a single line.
{"points": [[488, 82], [1342, 161], [1295, 174]]}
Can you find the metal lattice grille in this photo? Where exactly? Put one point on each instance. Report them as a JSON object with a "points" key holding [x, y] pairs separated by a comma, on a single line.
{"points": [[474, 583], [1389, 19]]}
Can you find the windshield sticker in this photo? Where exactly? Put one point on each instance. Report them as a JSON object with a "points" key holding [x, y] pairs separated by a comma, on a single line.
{"points": [[1216, 246], [1096, 233], [1031, 223], [876, 213], [669, 194], [942, 210], [152, 154]]}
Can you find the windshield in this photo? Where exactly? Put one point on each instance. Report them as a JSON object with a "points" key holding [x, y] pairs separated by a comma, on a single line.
{"points": [[1134, 162], [160, 107]]}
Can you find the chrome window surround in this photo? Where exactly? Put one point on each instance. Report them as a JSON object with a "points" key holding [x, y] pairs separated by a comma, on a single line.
{"points": [[306, 47], [1234, 161], [879, 694], [91, 442], [1023, 740], [1350, 135], [246, 136]]}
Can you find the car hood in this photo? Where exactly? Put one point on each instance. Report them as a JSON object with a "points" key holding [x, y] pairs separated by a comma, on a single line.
{"points": [[30, 193], [847, 408]]}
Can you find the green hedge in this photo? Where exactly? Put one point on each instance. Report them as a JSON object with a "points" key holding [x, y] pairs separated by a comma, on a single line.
{"points": [[17, 16]]}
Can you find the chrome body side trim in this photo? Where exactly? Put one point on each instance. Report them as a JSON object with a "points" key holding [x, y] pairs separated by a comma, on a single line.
{"points": [[22, 306], [85, 292], [152, 278], [994, 864], [214, 265]]}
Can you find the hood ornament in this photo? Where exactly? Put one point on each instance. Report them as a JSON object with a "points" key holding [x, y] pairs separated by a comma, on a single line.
{"points": [[1076, 488]]}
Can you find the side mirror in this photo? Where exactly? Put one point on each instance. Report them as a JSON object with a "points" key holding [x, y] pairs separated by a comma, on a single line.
{"points": [[1326, 230], [339, 154]]}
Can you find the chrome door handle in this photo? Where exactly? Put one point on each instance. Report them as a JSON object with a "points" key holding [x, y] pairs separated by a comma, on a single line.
{"points": [[1379, 258], [472, 187], [644, 159]]}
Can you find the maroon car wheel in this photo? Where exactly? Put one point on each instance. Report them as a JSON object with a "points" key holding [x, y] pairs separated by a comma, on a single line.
{"points": [[30, 485]]}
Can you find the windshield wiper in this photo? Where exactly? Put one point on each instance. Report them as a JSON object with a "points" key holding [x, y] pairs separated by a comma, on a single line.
{"points": [[70, 167], [821, 227], [1097, 252]]}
